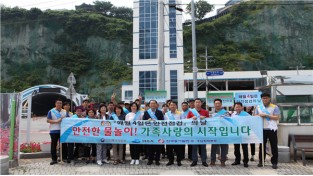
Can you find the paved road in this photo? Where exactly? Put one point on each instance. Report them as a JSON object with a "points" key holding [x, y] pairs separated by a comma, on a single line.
{"points": [[39, 133], [42, 167]]}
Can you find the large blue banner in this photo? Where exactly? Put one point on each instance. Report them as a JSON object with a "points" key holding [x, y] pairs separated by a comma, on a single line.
{"points": [[217, 130]]}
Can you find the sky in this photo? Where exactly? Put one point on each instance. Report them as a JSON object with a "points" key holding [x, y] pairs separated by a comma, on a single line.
{"points": [[70, 4]]}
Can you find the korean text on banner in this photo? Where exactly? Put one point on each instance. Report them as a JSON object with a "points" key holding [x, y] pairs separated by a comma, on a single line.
{"points": [[243, 129]]}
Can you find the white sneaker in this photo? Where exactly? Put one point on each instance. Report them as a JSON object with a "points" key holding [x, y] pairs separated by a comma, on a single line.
{"points": [[132, 162], [105, 161], [137, 162], [99, 163]]}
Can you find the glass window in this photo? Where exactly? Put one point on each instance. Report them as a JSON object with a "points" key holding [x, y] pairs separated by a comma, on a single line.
{"points": [[288, 114], [129, 95], [147, 81], [306, 114], [148, 23], [173, 85]]}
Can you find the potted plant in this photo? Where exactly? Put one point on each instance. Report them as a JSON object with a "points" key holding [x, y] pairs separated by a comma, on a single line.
{"points": [[32, 147]]}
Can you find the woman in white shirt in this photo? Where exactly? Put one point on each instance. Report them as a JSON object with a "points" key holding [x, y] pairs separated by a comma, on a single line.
{"points": [[135, 114]]}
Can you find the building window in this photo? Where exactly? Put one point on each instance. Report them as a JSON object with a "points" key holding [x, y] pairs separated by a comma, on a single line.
{"points": [[128, 95], [173, 81], [148, 29], [172, 30], [147, 81]]}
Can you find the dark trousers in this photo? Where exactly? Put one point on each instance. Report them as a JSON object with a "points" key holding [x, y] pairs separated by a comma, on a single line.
{"points": [[124, 151], [252, 146], [70, 151], [190, 152], [272, 136], [238, 154], [76, 151], [64, 151], [93, 150], [178, 150], [134, 151], [195, 153], [54, 142], [184, 150], [154, 152]]}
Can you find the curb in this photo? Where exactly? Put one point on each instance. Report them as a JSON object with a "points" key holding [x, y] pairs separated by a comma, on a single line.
{"points": [[35, 155]]}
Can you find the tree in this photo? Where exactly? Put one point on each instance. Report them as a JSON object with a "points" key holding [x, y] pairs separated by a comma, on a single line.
{"points": [[202, 8], [124, 13], [103, 7]]}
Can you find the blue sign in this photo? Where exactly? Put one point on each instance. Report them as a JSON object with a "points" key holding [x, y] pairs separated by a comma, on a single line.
{"points": [[215, 73], [216, 130]]}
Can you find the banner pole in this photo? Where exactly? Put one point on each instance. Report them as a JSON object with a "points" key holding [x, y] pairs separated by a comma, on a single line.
{"points": [[12, 129]]}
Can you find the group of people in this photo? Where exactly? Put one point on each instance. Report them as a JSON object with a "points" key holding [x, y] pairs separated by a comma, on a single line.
{"points": [[100, 153]]}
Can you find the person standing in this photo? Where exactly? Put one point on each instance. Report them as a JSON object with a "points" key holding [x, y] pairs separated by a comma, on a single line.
{"points": [[270, 114], [118, 148], [174, 115], [249, 110], [164, 110], [134, 115], [191, 104], [239, 112], [91, 114], [185, 111], [79, 111], [102, 148], [67, 148], [153, 114], [109, 114], [54, 117], [219, 112], [198, 113]]}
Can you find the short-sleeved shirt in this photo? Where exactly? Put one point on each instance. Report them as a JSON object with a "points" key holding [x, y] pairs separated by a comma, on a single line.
{"points": [[55, 114], [202, 112], [273, 110]]}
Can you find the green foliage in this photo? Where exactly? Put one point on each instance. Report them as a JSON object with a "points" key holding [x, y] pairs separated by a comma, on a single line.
{"points": [[124, 13], [103, 7], [75, 60], [256, 35], [201, 8]]}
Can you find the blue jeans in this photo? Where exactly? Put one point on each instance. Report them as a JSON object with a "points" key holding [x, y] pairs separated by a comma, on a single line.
{"points": [[224, 151], [195, 153]]}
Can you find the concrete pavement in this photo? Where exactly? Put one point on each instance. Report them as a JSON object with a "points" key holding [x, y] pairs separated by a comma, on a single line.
{"points": [[42, 167]]}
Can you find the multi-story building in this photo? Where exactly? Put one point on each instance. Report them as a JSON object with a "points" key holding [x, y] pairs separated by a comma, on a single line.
{"points": [[157, 50]]}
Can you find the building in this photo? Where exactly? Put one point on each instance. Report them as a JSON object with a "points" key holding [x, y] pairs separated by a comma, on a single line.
{"points": [[158, 60]]}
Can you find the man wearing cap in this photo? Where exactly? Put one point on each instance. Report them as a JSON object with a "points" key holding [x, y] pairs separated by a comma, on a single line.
{"points": [[270, 114]]}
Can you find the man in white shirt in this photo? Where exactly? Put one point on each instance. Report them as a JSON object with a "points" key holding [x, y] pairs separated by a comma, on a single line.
{"points": [[270, 114]]}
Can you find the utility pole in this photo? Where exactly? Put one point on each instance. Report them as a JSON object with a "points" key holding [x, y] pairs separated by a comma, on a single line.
{"points": [[210, 58], [194, 54], [161, 64]]}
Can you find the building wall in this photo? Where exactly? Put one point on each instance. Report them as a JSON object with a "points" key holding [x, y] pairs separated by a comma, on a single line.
{"points": [[152, 63]]}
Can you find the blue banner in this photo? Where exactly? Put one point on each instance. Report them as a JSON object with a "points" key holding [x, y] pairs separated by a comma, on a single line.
{"points": [[248, 98], [217, 130]]}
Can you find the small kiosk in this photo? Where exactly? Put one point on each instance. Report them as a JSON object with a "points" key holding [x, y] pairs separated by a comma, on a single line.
{"points": [[294, 96]]}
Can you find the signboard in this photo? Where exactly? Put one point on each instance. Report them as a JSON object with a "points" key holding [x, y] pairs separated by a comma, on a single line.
{"points": [[227, 98], [248, 98], [218, 72], [159, 96], [241, 129]]}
